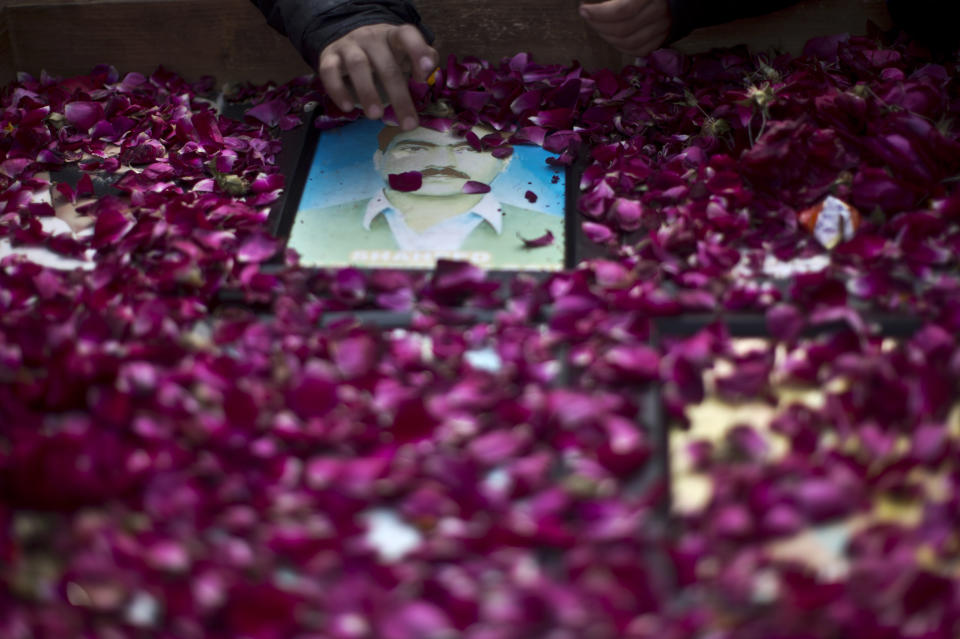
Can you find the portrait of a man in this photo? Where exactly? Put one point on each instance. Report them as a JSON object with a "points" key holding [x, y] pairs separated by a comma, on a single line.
{"points": [[449, 213], [67, 219]]}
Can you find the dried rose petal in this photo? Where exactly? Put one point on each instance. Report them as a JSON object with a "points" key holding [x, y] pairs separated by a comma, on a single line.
{"points": [[82, 114], [597, 232], [314, 396], [784, 321], [111, 225], [471, 186], [628, 213], [257, 248], [270, 112], [638, 362], [544, 240], [408, 181]]}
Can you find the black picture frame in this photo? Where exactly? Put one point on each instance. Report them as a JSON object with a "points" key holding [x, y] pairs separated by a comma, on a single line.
{"points": [[299, 148]]}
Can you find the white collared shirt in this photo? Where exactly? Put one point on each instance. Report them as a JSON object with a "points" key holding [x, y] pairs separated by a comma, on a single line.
{"points": [[39, 254], [447, 235]]}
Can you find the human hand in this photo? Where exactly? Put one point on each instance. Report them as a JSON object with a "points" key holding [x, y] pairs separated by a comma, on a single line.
{"points": [[636, 27], [386, 52]]}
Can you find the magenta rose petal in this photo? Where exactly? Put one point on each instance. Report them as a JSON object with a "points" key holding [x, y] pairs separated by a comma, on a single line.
{"points": [[83, 115], [355, 356], [498, 446], [13, 167], [492, 141], [472, 187], [289, 121], [314, 396], [473, 100], [669, 62], [474, 141], [41, 209], [270, 112], [528, 101], [556, 119], [265, 183], [638, 362], [822, 498], [415, 620], [407, 181], [875, 188], [784, 322], [544, 240], [413, 422], [436, 123], [562, 141], [103, 129], [399, 300], [257, 248], [825, 47], [111, 225], [628, 213], [607, 82], [598, 233], [530, 135], [85, 186]]}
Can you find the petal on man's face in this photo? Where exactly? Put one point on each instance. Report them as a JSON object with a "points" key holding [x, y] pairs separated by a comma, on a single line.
{"points": [[407, 181]]}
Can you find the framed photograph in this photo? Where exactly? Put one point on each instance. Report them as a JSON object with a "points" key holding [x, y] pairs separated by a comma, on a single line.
{"points": [[369, 195], [71, 194]]}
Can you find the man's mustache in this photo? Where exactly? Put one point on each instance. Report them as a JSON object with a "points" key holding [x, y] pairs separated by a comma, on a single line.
{"points": [[443, 171]]}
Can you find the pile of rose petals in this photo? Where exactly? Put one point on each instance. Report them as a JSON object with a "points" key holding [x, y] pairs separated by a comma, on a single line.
{"points": [[194, 446]]}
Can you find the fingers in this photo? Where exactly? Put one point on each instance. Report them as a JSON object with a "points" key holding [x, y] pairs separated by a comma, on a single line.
{"points": [[613, 11], [394, 81], [354, 63], [640, 43], [626, 27], [407, 43], [344, 71], [635, 27], [331, 75]]}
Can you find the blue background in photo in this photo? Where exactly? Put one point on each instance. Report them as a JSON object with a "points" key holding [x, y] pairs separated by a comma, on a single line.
{"points": [[342, 171]]}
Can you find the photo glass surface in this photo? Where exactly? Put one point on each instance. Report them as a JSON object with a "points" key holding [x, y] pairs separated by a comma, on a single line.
{"points": [[376, 196]]}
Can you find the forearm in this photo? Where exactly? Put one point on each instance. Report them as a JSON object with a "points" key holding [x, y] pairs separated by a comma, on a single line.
{"points": [[688, 15], [313, 24]]}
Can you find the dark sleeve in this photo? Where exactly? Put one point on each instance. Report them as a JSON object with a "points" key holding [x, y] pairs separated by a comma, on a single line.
{"points": [[933, 22], [313, 24], [688, 15]]}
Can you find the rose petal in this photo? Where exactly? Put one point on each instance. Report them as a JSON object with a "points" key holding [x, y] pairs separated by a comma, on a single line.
{"points": [[472, 186], [544, 240], [270, 112], [408, 181], [257, 248], [82, 114]]}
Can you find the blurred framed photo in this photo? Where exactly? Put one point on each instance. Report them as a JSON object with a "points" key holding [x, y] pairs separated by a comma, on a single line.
{"points": [[370, 195]]}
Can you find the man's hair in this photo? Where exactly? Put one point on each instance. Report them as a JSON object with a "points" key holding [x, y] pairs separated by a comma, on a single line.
{"points": [[389, 132]]}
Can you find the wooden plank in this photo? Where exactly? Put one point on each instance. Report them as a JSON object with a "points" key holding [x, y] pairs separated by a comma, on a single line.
{"points": [[551, 30], [228, 39], [8, 71], [554, 32], [788, 29]]}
